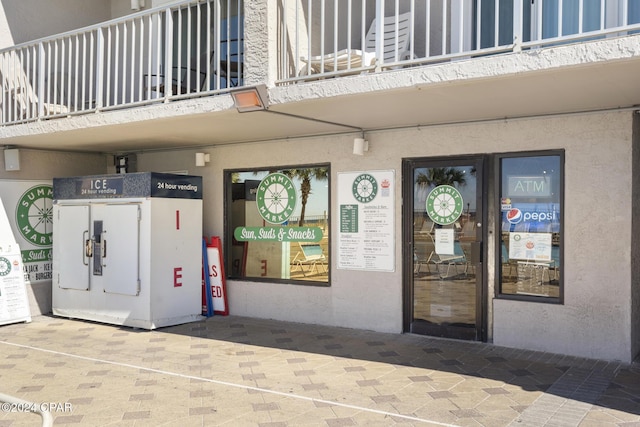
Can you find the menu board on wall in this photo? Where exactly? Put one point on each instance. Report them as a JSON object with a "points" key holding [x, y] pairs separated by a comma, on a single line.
{"points": [[366, 207]]}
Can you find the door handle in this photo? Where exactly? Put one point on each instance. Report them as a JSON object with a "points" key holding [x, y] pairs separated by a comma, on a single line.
{"points": [[476, 252], [88, 247], [103, 252]]}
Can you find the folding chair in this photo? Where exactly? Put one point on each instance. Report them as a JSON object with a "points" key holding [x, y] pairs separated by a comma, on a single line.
{"points": [[458, 258], [311, 255], [21, 101], [355, 58]]}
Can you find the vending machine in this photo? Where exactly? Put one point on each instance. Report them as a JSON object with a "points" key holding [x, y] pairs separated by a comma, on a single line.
{"points": [[127, 249]]}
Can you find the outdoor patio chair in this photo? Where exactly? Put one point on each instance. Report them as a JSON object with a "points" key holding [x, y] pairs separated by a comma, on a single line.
{"points": [[355, 58], [455, 260], [21, 101], [506, 262], [310, 255]]}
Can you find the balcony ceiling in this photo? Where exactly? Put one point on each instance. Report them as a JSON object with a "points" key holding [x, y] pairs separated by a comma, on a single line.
{"points": [[503, 86]]}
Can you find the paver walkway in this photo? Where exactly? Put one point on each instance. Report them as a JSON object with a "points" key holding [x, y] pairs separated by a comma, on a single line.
{"points": [[237, 371]]}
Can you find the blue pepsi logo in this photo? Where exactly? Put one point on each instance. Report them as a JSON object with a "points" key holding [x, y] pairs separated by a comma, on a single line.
{"points": [[514, 216]]}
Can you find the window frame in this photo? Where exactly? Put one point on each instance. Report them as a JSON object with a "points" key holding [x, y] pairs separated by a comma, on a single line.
{"points": [[228, 224], [498, 226]]}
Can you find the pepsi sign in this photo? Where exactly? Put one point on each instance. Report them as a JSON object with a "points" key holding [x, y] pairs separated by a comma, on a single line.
{"points": [[532, 217], [514, 216]]}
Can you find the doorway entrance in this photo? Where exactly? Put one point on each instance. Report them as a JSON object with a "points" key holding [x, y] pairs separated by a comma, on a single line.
{"points": [[443, 234]]}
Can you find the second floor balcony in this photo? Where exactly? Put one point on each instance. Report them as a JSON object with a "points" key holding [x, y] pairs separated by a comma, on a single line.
{"points": [[205, 48]]}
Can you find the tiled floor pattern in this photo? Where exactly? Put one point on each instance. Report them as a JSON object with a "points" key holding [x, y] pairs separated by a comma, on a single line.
{"points": [[237, 371]]}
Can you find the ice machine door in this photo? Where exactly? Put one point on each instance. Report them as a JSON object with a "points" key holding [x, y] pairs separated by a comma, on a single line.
{"points": [[118, 258], [70, 247]]}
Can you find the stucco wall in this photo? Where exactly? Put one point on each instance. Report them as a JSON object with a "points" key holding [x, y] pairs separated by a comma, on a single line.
{"points": [[33, 19], [596, 316], [44, 166], [595, 319], [39, 164], [635, 250]]}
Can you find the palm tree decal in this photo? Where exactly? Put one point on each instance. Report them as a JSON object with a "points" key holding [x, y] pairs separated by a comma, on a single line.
{"points": [[305, 176]]}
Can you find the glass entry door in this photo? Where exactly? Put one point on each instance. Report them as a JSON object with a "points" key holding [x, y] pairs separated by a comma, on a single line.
{"points": [[443, 256]]}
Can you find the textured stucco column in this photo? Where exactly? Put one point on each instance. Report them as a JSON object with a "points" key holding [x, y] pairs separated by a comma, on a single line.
{"points": [[258, 48]]}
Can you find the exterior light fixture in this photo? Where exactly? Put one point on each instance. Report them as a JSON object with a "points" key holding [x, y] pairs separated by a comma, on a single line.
{"points": [[255, 98], [11, 159], [360, 145], [202, 159], [251, 98]]}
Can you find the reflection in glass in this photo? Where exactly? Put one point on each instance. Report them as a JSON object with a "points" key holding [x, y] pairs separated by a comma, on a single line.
{"points": [[444, 229], [278, 220], [530, 210]]}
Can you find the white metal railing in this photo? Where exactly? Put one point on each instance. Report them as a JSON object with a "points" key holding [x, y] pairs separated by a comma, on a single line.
{"points": [[189, 48], [322, 38]]}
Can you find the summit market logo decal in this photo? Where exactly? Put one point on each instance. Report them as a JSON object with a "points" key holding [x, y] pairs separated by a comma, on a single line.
{"points": [[444, 205], [276, 198], [364, 188], [5, 266], [34, 215]]}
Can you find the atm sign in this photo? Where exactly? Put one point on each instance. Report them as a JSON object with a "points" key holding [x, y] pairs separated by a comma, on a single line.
{"points": [[529, 186]]}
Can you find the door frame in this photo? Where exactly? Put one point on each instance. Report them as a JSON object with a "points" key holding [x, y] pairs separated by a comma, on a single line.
{"points": [[408, 167]]}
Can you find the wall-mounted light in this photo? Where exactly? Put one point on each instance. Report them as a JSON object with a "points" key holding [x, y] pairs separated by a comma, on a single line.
{"points": [[251, 98], [202, 159], [11, 159], [360, 145], [137, 4]]}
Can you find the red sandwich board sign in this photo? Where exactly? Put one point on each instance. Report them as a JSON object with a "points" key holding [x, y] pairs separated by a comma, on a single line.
{"points": [[214, 275]]}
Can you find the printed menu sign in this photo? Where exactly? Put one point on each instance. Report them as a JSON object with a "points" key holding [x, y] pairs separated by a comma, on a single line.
{"points": [[366, 238], [530, 246], [14, 304]]}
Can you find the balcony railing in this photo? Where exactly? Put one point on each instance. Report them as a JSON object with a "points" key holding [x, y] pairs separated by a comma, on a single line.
{"points": [[195, 48], [323, 38], [190, 48]]}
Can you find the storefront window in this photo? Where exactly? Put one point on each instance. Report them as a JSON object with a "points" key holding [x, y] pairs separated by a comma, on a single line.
{"points": [[277, 224], [531, 207]]}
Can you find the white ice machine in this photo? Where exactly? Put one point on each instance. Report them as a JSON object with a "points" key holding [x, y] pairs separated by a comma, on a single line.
{"points": [[127, 249]]}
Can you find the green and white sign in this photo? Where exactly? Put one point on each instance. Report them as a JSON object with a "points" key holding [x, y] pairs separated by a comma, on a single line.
{"points": [[444, 205], [367, 234], [5, 266], [29, 209], [278, 234], [34, 215], [276, 198], [365, 188]]}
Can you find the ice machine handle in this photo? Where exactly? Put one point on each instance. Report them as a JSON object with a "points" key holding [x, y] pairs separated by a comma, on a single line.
{"points": [[88, 247], [104, 248]]}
